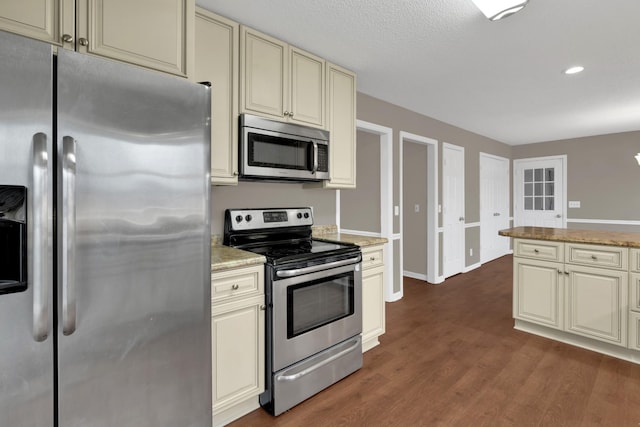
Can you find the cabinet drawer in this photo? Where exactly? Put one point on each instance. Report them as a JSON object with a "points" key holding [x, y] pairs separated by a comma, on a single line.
{"points": [[372, 257], [635, 260], [634, 331], [240, 282], [538, 249], [597, 256], [634, 292]]}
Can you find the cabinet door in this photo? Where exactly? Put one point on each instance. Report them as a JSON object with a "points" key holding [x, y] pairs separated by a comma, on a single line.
{"points": [[634, 291], [45, 20], [217, 62], [373, 313], [307, 81], [238, 352], [597, 303], [538, 292], [157, 34], [341, 122], [264, 76], [634, 330]]}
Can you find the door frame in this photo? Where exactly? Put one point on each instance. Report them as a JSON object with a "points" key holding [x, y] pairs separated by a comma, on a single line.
{"points": [[563, 187], [386, 204], [433, 249], [463, 220]]}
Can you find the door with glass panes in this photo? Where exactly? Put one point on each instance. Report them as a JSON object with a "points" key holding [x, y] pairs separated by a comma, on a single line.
{"points": [[539, 192]]}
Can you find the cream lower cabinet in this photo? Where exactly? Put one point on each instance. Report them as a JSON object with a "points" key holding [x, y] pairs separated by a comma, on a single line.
{"points": [[151, 33], [217, 61], [237, 328], [373, 306], [281, 81], [577, 288]]}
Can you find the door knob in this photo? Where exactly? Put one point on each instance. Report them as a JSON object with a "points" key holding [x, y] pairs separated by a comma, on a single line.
{"points": [[461, 218]]}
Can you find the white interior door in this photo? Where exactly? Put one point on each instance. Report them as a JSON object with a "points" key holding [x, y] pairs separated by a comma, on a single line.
{"points": [[452, 209], [494, 206], [540, 192]]}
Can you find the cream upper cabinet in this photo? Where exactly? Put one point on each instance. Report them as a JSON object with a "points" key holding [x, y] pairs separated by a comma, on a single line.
{"points": [[341, 122], [47, 20], [217, 61], [155, 34], [280, 81], [373, 308]]}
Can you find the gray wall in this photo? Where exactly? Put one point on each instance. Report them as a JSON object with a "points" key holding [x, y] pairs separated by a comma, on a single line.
{"points": [[601, 173], [415, 193], [366, 196], [400, 119], [268, 195]]}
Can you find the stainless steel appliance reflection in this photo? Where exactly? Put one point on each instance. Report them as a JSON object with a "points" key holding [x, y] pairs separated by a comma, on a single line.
{"points": [[314, 302], [105, 266]]}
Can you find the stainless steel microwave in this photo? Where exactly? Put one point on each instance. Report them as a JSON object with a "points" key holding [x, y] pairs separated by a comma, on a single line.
{"points": [[274, 150]]}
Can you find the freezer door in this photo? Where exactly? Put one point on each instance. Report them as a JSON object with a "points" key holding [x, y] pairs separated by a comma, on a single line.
{"points": [[134, 247], [26, 150]]}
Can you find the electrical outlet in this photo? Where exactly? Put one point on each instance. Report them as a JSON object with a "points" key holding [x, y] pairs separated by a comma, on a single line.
{"points": [[574, 203], [471, 252], [396, 210]]}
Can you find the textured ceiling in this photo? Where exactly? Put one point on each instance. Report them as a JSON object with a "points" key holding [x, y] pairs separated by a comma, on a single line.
{"points": [[444, 59]]}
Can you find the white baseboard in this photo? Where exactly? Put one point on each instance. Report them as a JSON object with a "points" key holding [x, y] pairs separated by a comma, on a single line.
{"points": [[413, 275], [468, 268]]}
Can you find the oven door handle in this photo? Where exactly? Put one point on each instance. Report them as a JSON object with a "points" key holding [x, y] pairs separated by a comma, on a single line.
{"points": [[313, 269], [318, 365]]}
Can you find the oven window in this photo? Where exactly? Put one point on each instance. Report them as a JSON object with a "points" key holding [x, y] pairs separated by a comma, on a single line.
{"points": [[311, 305], [278, 152]]}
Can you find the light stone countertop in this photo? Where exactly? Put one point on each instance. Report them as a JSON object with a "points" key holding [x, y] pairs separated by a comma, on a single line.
{"points": [[595, 237], [224, 257]]}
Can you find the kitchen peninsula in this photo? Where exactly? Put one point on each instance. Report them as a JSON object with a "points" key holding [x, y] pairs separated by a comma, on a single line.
{"points": [[581, 287]]}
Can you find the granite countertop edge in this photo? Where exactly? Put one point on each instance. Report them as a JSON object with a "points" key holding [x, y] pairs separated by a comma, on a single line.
{"points": [[595, 237], [225, 257]]}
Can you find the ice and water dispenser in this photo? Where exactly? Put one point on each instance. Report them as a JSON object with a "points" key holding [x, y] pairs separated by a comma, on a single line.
{"points": [[13, 239]]}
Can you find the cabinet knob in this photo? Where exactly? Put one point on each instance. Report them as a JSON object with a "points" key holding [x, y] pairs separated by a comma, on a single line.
{"points": [[593, 257], [286, 113], [291, 114], [235, 286], [263, 307], [83, 41], [67, 38], [235, 173], [372, 258], [536, 251]]}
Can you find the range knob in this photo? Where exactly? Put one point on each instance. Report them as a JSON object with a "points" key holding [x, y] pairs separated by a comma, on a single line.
{"points": [[248, 218], [239, 218], [299, 215], [306, 214]]}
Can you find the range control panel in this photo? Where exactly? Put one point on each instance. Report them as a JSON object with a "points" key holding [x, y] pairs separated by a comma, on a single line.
{"points": [[255, 219]]}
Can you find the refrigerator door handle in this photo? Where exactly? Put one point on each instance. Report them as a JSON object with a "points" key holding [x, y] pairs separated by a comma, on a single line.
{"points": [[68, 235], [41, 276]]}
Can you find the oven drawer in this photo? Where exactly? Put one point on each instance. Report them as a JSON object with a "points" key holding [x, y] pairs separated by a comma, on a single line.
{"points": [[228, 285], [372, 257]]}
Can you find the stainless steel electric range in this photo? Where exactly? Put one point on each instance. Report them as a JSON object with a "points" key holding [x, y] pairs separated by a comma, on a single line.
{"points": [[313, 291]]}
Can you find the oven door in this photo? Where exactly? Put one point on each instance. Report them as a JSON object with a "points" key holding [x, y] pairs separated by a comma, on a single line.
{"points": [[314, 311]]}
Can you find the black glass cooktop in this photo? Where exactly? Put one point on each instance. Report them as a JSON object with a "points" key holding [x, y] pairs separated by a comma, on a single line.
{"points": [[277, 253]]}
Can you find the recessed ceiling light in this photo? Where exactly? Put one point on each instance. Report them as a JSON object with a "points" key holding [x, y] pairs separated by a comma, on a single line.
{"points": [[574, 70]]}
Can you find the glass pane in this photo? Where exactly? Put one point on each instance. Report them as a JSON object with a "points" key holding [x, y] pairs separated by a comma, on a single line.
{"points": [[528, 189], [528, 203], [548, 189], [538, 175], [548, 204], [528, 175], [548, 174], [538, 189], [539, 203]]}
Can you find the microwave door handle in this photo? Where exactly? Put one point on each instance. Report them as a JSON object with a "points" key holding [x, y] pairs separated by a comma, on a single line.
{"points": [[315, 158]]}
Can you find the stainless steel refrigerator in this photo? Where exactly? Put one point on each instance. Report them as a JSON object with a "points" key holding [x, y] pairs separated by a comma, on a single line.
{"points": [[104, 243]]}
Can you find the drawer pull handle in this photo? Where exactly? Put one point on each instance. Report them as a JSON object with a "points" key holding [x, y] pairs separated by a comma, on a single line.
{"points": [[593, 257], [235, 286], [536, 251], [372, 258]]}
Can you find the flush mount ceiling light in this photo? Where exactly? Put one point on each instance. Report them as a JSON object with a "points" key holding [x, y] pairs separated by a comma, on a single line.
{"points": [[574, 70], [498, 9]]}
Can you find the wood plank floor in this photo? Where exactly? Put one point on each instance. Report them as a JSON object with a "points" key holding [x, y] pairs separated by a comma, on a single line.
{"points": [[450, 357]]}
